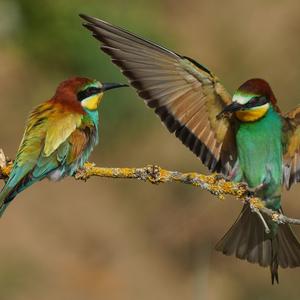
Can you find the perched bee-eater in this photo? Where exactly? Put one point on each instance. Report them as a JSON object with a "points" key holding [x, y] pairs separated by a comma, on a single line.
{"points": [[59, 137], [244, 137]]}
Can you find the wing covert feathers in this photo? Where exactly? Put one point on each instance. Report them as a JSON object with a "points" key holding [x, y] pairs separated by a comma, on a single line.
{"points": [[291, 142]]}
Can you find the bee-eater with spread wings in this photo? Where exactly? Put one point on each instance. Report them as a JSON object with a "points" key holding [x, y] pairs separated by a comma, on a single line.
{"points": [[59, 137], [244, 137]]}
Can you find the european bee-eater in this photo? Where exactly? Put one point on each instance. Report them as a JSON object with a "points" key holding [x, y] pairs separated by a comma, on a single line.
{"points": [[244, 137], [59, 137]]}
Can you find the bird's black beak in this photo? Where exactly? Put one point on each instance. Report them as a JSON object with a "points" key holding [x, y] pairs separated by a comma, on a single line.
{"points": [[110, 86], [232, 107]]}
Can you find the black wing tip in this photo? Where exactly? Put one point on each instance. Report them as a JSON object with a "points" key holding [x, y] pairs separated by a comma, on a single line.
{"points": [[88, 18], [89, 26], [92, 21], [93, 24], [83, 16]]}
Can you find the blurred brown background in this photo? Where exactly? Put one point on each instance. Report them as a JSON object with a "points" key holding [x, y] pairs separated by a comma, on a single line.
{"points": [[125, 240]]}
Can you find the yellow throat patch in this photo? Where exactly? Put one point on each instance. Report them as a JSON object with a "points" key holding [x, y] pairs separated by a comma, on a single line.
{"points": [[253, 114], [92, 103]]}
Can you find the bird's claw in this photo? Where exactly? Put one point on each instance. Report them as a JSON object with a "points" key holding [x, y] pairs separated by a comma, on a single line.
{"points": [[153, 172], [257, 188], [81, 174], [252, 191], [219, 177]]}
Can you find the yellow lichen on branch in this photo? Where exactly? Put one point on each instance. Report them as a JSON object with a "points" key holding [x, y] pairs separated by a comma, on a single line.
{"points": [[155, 174], [215, 184]]}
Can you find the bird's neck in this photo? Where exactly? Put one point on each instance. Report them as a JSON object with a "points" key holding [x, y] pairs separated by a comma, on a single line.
{"points": [[253, 114], [91, 116], [270, 118]]}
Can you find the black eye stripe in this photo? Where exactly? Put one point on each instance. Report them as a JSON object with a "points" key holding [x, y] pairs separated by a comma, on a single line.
{"points": [[88, 92], [256, 101]]}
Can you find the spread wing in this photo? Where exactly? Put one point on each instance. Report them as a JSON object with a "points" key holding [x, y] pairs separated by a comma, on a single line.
{"points": [[291, 142], [186, 96]]}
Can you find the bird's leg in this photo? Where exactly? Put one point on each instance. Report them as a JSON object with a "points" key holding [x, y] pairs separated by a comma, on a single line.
{"points": [[234, 175]]}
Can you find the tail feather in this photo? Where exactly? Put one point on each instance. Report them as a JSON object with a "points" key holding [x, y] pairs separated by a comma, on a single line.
{"points": [[3, 207], [289, 250], [5, 202], [247, 240], [274, 260], [11, 189], [6, 196]]}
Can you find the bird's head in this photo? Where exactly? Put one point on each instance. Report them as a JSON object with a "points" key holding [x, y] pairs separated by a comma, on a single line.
{"points": [[82, 94], [251, 101]]}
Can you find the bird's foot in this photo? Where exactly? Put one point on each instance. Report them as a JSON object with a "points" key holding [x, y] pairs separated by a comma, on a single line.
{"points": [[256, 189], [253, 190], [219, 177], [153, 174], [83, 173]]}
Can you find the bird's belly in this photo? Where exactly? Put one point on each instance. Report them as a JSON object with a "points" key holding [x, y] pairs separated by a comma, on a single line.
{"points": [[260, 158]]}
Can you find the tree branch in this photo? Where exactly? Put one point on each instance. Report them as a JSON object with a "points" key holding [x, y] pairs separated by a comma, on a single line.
{"points": [[214, 184]]}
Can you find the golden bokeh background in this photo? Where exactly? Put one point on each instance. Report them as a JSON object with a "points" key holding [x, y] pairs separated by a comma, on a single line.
{"points": [[128, 240]]}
